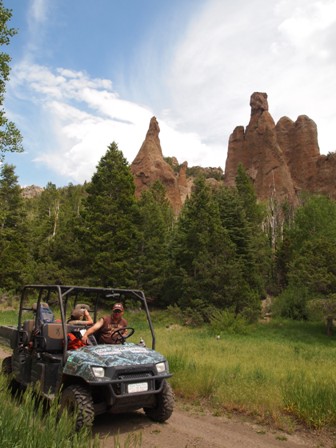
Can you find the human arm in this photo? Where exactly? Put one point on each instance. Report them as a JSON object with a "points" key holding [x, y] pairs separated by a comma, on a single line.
{"points": [[97, 326], [87, 317]]}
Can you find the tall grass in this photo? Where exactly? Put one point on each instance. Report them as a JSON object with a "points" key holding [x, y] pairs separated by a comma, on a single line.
{"points": [[274, 370], [8, 317], [25, 422], [311, 398], [270, 370]]}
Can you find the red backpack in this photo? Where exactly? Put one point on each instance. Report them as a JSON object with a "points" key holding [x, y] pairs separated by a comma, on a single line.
{"points": [[74, 343]]}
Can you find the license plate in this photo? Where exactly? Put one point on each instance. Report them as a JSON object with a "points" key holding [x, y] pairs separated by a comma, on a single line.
{"points": [[137, 387]]}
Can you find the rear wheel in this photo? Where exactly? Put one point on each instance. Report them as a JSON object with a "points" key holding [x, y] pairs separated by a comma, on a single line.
{"points": [[7, 370], [6, 367], [78, 400], [164, 405]]}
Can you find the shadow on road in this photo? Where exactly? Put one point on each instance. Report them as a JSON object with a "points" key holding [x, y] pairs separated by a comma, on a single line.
{"points": [[114, 424]]}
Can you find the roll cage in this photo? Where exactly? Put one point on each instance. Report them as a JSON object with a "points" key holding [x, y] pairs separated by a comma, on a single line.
{"points": [[61, 299]]}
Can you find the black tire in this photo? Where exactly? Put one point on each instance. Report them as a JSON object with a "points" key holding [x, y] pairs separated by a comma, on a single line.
{"points": [[7, 370], [76, 398], [6, 367], [164, 405]]}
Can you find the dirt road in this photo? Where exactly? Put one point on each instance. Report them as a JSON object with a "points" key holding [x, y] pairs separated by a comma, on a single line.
{"points": [[189, 429]]}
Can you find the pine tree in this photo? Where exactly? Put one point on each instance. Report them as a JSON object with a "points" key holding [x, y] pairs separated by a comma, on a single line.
{"points": [[110, 216], [53, 217], [13, 231], [156, 220], [307, 256], [247, 194], [204, 269], [258, 255]]}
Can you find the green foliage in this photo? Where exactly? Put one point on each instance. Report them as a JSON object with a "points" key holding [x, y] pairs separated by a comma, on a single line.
{"points": [[227, 322], [246, 191], [256, 372], [307, 258], [218, 255], [316, 218], [207, 173], [13, 230], [53, 218], [110, 216], [173, 163], [198, 312], [155, 223], [250, 242], [312, 400], [203, 263], [320, 309], [314, 266], [28, 424], [10, 137], [292, 303], [9, 317]]}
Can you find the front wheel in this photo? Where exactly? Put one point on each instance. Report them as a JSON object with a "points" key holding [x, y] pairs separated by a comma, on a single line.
{"points": [[164, 405], [78, 400]]}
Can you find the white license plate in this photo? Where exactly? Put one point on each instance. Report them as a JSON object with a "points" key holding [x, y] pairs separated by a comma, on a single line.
{"points": [[137, 387]]}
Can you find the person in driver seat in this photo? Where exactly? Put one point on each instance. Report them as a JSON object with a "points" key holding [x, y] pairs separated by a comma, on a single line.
{"points": [[106, 326]]}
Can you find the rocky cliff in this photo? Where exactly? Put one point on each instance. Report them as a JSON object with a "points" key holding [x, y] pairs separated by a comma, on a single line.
{"points": [[282, 159], [258, 150], [150, 165], [31, 191]]}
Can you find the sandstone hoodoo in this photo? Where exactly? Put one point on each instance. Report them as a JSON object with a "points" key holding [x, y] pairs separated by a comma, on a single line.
{"points": [[282, 159], [149, 166], [258, 150]]}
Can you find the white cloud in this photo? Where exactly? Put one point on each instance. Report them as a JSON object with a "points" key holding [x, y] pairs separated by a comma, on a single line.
{"points": [[285, 48], [227, 51], [38, 11], [84, 116]]}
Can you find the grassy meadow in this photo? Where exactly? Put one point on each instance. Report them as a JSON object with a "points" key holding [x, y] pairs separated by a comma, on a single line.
{"points": [[281, 372]]}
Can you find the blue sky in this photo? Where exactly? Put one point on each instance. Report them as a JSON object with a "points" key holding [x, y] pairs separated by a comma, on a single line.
{"points": [[86, 73]]}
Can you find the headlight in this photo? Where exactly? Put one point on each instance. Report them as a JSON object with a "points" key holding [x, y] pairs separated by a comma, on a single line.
{"points": [[161, 367], [98, 372]]}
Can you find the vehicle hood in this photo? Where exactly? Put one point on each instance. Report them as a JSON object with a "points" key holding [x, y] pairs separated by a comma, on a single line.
{"points": [[80, 361]]}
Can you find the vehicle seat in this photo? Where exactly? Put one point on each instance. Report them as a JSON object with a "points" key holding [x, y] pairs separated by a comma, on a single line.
{"points": [[44, 313], [53, 336], [28, 326]]}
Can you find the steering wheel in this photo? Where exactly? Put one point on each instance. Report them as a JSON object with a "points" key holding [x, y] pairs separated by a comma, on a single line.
{"points": [[122, 337]]}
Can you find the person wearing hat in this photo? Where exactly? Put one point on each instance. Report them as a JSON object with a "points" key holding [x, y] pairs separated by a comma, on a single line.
{"points": [[107, 325]]}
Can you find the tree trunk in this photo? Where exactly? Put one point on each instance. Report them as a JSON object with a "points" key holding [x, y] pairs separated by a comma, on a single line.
{"points": [[330, 326]]}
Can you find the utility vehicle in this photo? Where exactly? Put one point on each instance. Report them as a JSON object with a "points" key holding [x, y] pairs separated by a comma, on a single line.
{"points": [[95, 378]]}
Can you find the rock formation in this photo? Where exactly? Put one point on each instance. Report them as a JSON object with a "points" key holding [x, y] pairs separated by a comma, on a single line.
{"points": [[258, 150], [298, 141], [283, 159], [31, 191], [149, 166]]}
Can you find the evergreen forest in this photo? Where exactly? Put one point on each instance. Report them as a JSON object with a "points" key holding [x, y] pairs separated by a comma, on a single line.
{"points": [[223, 252]]}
